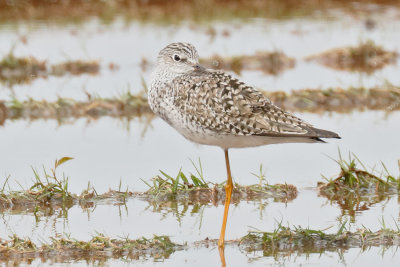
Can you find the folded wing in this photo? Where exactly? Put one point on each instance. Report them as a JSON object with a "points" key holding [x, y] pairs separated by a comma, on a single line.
{"points": [[218, 102]]}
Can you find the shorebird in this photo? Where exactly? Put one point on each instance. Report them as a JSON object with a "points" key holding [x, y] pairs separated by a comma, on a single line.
{"points": [[212, 107]]}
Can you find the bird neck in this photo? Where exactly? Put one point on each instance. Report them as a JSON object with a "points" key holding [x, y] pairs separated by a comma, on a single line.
{"points": [[162, 76]]}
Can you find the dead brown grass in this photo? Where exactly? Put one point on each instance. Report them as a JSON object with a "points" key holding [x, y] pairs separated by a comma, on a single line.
{"points": [[356, 188], [284, 241], [267, 62], [366, 57], [97, 250], [16, 70], [338, 99], [172, 11], [76, 68], [130, 106], [3, 113]]}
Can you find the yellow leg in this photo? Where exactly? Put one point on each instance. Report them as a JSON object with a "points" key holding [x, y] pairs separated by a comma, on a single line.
{"points": [[228, 194], [222, 256]]}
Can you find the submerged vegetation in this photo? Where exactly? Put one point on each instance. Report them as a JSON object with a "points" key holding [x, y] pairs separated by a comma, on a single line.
{"points": [[268, 62], [126, 105], [46, 189], [98, 249], [174, 11], [129, 106], [48, 198], [75, 68], [15, 70], [340, 100], [285, 241], [353, 190], [281, 242], [356, 189], [50, 192], [3, 113], [196, 190], [366, 57]]}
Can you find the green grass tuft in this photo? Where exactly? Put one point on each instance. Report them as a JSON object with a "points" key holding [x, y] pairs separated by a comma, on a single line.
{"points": [[356, 188], [170, 185]]}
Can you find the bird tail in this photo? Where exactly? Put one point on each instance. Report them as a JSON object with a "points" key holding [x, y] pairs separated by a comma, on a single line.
{"points": [[319, 133]]}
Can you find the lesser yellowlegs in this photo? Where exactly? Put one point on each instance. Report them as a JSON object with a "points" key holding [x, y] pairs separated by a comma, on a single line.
{"points": [[213, 108]]}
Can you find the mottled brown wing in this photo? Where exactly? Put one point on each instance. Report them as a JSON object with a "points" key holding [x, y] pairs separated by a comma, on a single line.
{"points": [[219, 102]]}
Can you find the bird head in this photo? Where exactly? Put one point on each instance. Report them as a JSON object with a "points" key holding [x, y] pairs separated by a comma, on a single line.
{"points": [[178, 58]]}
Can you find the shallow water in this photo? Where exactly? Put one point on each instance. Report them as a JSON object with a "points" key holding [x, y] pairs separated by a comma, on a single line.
{"points": [[139, 218], [127, 44], [108, 151], [210, 257]]}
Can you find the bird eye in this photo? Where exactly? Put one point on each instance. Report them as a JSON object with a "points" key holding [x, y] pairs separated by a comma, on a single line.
{"points": [[177, 58]]}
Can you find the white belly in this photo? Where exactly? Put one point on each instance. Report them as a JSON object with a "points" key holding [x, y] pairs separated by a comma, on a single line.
{"points": [[225, 141]]}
